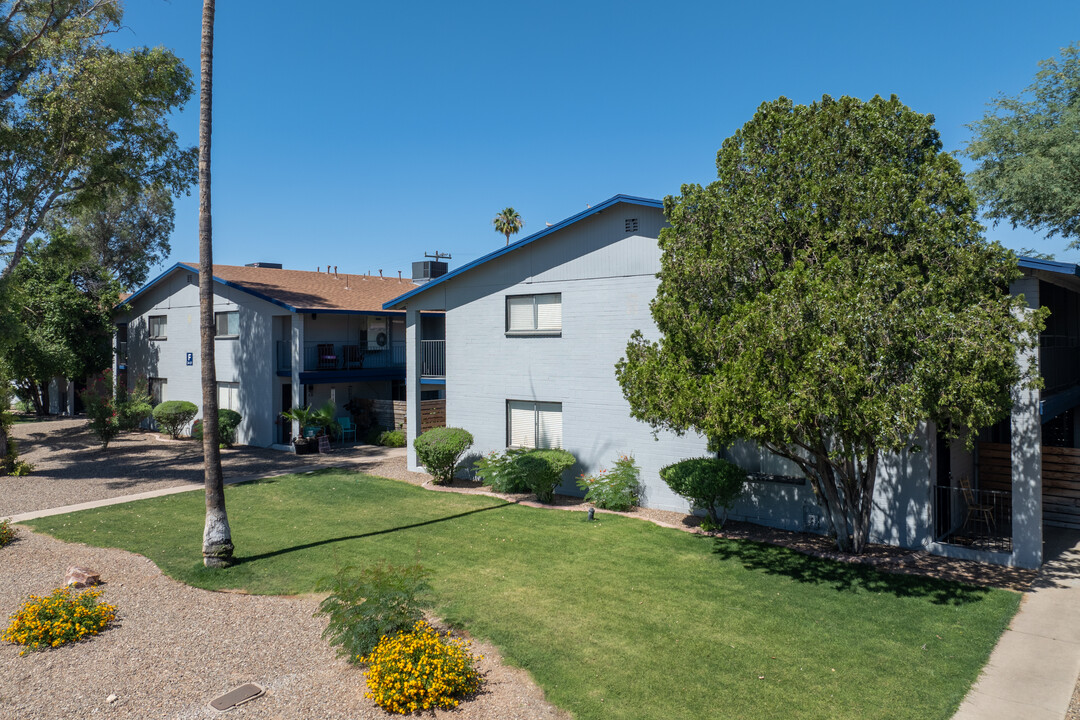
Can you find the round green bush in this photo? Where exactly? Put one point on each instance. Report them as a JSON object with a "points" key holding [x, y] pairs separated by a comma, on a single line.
{"points": [[228, 420], [174, 415], [542, 471], [711, 484], [440, 449]]}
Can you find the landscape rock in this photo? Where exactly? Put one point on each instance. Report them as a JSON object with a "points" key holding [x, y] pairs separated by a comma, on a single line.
{"points": [[80, 577]]}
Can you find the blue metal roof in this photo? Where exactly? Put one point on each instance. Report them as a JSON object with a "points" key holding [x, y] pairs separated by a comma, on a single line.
{"points": [[1054, 266], [629, 199]]}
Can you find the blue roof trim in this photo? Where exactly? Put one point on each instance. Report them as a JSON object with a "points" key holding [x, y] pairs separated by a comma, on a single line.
{"points": [[1054, 266], [630, 199], [249, 291]]}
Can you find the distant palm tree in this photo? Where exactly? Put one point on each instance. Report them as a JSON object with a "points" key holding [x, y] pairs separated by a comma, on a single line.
{"points": [[217, 545], [508, 222]]}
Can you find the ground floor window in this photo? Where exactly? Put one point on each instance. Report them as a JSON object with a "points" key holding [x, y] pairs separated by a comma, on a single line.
{"points": [[760, 464], [228, 396], [533, 424], [157, 389], [398, 390]]}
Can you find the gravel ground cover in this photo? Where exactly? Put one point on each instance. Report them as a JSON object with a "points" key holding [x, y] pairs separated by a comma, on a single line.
{"points": [[70, 467], [175, 648]]}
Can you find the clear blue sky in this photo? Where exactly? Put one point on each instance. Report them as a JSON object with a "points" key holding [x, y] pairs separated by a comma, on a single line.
{"points": [[364, 134]]}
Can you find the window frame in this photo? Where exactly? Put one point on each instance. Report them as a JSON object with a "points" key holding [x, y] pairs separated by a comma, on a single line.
{"points": [[536, 424], [150, 326], [535, 331], [226, 336]]}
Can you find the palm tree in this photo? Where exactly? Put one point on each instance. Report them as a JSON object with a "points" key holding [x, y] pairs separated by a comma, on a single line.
{"points": [[217, 538], [508, 222]]}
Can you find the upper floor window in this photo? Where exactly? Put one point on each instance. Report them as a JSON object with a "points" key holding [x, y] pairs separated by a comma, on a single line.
{"points": [[532, 424], [534, 314], [158, 327], [227, 324]]}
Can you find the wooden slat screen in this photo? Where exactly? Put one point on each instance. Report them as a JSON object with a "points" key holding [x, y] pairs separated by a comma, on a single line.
{"points": [[1060, 480], [432, 414]]}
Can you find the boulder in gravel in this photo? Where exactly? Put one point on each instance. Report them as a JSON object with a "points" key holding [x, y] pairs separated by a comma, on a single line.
{"points": [[80, 577]]}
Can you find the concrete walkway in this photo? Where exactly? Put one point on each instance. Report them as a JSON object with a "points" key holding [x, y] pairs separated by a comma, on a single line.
{"points": [[1034, 667]]}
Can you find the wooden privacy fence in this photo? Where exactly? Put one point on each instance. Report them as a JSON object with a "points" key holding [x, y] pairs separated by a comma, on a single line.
{"points": [[432, 414], [1060, 480], [1061, 487]]}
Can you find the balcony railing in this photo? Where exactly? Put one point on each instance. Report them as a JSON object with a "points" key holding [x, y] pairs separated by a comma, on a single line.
{"points": [[433, 358], [342, 356], [977, 519]]}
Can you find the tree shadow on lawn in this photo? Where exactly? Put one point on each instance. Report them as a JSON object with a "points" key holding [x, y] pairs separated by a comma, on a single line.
{"points": [[242, 559], [843, 576]]}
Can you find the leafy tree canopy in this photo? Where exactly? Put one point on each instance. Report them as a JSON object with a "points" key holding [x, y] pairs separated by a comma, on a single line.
{"points": [[61, 325], [80, 123], [827, 294], [1028, 152]]}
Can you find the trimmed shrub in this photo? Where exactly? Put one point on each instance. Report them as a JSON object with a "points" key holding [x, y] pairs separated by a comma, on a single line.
{"points": [[133, 406], [228, 421], [63, 617], [391, 438], [501, 473], [542, 471], [618, 489], [366, 605], [440, 449], [419, 670], [174, 415], [711, 484]]}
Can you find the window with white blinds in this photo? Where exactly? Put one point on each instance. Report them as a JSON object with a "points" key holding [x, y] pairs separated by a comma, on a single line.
{"points": [[533, 424], [534, 314], [228, 396]]}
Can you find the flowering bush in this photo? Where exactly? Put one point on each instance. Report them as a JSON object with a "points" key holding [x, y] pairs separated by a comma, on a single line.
{"points": [[63, 617], [7, 533], [615, 490], [419, 670], [98, 400], [499, 471]]}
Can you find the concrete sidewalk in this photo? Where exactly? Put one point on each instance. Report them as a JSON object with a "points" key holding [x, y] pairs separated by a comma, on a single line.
{"points": [[1034, 667]]}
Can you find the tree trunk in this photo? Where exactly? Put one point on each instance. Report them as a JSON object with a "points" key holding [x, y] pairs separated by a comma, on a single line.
{"points": [[217, 538]]}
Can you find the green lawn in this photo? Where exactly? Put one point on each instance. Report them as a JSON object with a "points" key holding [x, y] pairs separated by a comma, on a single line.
{"points": [[616, 618]]}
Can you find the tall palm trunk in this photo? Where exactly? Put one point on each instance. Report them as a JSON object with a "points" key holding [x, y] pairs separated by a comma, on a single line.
{"points": [[217, 538]]}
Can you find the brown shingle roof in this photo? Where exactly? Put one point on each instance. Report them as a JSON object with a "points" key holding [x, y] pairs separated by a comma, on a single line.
{"points": [[306, 290]]}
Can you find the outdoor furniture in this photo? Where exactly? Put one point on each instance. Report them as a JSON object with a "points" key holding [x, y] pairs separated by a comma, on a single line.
{"points": [[327, 359], [352, 357], [975, 510], [347, 428]]}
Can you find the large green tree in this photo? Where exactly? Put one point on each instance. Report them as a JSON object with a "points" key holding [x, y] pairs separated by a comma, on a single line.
{"points": [[1028, 152], [61, 300], [80, 122], [827, 294]]}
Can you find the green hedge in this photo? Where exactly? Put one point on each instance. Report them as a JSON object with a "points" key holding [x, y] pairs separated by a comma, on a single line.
{"points": [[172, 416], [542, 471], [440, 449], [711, 484]]}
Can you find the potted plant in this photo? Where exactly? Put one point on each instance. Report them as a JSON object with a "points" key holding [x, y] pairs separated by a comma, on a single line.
{"points": [[305, 417]]}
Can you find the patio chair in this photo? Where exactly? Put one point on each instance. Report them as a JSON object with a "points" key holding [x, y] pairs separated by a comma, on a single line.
{"points": [[352, 357], [327, 360], [347, 428], [975, 510]]}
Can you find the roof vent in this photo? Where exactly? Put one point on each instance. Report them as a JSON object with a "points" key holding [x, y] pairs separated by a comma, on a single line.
{"points": [[273, 266], [631, 224]]}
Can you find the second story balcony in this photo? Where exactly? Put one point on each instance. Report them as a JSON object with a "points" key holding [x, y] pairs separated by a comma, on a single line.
{"points": [[355, 359]]}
